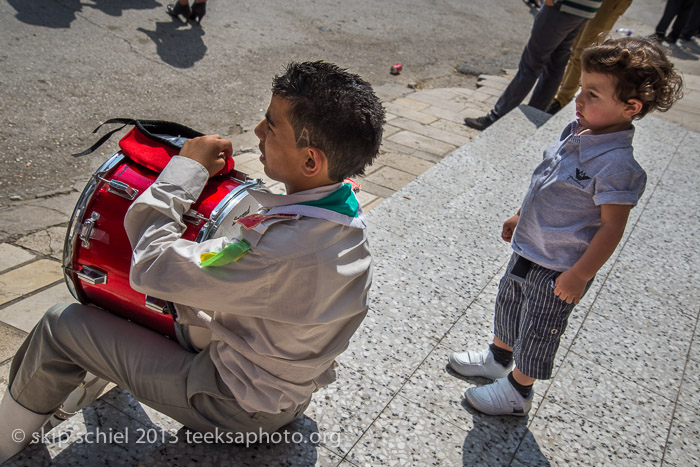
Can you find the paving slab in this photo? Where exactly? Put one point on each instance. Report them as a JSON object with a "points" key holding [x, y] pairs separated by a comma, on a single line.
{"points": [[47, 242], [588, 443], [344, 412], [11, 256], [601, 396], [63, 204], [411, 113], [432, 132], [390, 177], [459, 128], [99, 435], [5, 372], [409, 103], [405, 162], [429, 98], [457, 117], [490, 89], [389, 145], [10, 340], [422, 143], [390, 129], [653, 366], [405, 434], [21, 220], [683, 448], [29, 278], [26, 313]]}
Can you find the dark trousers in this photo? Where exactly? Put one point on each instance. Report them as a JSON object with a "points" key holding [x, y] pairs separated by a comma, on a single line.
{"points": [[682, 11], [543, 61]]}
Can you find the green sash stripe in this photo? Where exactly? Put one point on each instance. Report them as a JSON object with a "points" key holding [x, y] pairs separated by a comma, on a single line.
{"points": [[342, 201]]}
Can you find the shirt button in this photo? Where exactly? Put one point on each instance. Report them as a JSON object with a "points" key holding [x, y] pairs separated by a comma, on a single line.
{"points": [[554, 331]]}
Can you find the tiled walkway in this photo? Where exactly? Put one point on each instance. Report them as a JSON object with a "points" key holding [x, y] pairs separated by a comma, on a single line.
{"points": [[627, 377]]}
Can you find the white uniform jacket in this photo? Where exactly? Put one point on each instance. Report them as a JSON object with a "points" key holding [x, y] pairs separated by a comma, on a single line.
{"points": [[281, 313]]}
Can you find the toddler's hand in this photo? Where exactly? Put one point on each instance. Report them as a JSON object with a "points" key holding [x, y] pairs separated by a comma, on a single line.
{"points": [[569, 286], [509, 228], [211, 151]]}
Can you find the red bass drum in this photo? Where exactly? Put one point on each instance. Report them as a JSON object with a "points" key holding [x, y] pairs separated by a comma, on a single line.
{"points": [[97, 252]]}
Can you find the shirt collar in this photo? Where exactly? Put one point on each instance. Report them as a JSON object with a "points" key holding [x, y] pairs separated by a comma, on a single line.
{"points": [[591, 146], [269, 200]]}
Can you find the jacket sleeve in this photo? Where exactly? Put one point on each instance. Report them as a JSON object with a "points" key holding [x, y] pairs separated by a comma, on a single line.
{"points": [[166, 266]]}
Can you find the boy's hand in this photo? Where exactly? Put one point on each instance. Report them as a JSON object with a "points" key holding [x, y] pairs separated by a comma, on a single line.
{"points": [[569, 286], [211, 151], [509, 228]]}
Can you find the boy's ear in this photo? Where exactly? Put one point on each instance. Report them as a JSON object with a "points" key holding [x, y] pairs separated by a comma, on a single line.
{"points": [[632, 108], [315, 162]]}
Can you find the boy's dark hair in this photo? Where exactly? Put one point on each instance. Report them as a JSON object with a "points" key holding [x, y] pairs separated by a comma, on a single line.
{"points": [[335, 111], [642, 71]]}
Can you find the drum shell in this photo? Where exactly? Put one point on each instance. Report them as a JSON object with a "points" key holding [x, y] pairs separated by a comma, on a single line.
{"points": [[108, 251]]}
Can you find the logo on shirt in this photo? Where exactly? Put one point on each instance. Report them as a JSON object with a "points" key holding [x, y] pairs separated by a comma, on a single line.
{"points": [[580, 177]]}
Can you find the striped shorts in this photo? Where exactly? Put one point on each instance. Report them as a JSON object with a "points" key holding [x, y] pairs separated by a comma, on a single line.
{"points": [[531, 319]]}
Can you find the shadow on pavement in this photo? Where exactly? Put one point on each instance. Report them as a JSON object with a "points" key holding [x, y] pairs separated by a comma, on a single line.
{"points": [[177, 44], [60, 14], [495, 441]]}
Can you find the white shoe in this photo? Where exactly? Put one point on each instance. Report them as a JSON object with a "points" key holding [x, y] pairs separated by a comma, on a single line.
{"points": [[499, 398], [17, 426], [478, 364]]}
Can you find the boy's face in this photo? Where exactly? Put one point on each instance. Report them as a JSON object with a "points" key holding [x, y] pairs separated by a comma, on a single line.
{"points": [[597, 106], [280, 157]]}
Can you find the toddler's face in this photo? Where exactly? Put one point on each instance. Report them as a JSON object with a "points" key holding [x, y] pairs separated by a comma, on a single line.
{"points": [[597, 106]]}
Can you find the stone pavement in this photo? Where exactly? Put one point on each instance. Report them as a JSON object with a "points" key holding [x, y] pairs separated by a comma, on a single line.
{"points": [[627, 374]]}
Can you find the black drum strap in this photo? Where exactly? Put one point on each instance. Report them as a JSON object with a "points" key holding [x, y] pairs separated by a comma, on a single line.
{"points": [[101, 141], [150, 128]]}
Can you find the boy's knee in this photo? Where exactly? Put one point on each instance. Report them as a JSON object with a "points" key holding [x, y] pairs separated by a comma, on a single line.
{"points": [[60, 316]]}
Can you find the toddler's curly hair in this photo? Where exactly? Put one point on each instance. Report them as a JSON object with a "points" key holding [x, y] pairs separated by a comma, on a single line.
{"points": [[641, 69]]}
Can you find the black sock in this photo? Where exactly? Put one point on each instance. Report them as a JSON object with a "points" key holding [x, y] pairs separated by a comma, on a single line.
{"points": [[502, 356], [523, 390]]}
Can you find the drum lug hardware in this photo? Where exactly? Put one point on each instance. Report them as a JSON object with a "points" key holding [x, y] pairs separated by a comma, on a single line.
{"points": [[86, 231], [193, 217], [156, 304], [92, 276], [122, 189]]}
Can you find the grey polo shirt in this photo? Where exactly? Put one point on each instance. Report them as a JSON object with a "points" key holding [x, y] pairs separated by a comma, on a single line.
{"points": [[561, 210]]}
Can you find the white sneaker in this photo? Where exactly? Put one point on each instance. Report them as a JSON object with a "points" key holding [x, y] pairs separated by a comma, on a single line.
{"points": [[499, 398], [478, 364]]}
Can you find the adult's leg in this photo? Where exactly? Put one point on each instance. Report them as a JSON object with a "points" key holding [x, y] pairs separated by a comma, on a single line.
{"points": [[548, 30], [692, 25], [673, 7], [682, 20], [593, 30], [552, 72]]}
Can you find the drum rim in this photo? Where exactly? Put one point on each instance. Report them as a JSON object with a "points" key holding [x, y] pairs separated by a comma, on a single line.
{"points": [[77, 219], [226, 205]]}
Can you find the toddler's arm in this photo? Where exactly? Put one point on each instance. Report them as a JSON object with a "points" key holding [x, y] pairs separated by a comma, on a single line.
{"points": [[509, 227], [571, 283]]}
